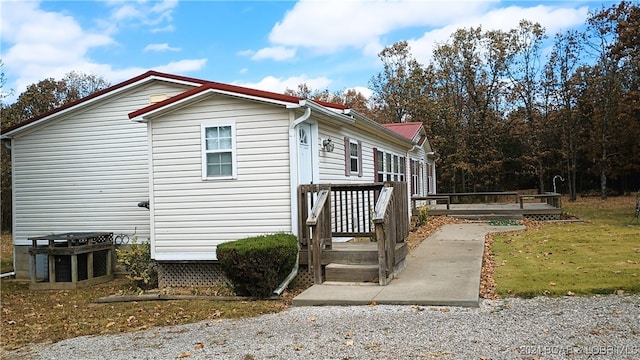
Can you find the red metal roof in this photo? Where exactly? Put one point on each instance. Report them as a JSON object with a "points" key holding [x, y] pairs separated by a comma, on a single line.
{"points": [[204, 85], [408, 129], [216, 86], [102, 92]]}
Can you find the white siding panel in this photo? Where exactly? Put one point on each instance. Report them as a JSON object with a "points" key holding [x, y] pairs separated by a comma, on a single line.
{"points": [[85, 171], [193, 216], [332, 164]]}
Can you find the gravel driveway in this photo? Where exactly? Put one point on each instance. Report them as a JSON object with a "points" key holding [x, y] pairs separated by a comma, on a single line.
{"points": [[601, 327]]}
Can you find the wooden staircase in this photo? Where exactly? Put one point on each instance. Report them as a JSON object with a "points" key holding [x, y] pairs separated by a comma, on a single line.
{"points": [[354, 262], [359, 211]]}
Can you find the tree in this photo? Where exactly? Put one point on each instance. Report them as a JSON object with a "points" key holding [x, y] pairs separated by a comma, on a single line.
{"points": [[350, 98], [401, 90], [604, 93], [561, 92], [524, 72], [469, 72]]}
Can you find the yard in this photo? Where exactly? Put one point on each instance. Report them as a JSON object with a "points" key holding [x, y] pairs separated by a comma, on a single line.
{"points": [[598, 256], [601, 255]]}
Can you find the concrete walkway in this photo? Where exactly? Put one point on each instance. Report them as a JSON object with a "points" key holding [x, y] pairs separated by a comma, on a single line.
{"points": [[443, 270]]}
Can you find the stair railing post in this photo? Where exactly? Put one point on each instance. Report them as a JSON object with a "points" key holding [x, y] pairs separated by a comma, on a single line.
{"points": [[317, 235], [381, 221]]}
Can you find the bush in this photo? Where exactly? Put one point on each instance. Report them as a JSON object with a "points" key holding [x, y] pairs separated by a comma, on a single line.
{"points": [[423, 215], [141, 269], [257, 265]]}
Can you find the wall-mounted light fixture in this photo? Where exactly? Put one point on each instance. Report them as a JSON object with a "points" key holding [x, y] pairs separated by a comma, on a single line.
{"points": [[328, 145]]}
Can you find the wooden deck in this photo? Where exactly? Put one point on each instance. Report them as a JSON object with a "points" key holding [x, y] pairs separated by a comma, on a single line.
{"points": [[489, 205], [534, 210]]}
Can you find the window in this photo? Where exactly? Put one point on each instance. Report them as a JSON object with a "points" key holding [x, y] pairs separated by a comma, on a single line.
{"points": [[390, 167], [352, 157], [417, 178], [218, 151], [379, 166]]}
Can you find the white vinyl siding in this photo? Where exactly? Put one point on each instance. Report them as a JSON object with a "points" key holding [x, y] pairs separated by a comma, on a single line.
{"points": [[86, 171], [191, 216]]}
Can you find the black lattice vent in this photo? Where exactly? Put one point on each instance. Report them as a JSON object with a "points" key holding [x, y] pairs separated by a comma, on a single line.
{"points": [[100, 263], [544, 217], [192, 274], [304, 279]]}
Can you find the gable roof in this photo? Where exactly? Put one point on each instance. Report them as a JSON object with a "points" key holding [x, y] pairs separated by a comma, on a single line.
{"points": [[214, 87], [408, 129], [236, 90], [147, 76]]}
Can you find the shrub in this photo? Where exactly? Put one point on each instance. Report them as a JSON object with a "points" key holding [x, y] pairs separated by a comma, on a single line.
{"points": [[257, 265], [423, 215], [141, 269]]}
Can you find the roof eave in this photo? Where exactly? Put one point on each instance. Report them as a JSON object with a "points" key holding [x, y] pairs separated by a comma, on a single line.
{"points": [[81, 103], [143, 115], [379, 127]]}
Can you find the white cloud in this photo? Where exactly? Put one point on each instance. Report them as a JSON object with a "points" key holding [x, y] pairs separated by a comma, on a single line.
{"points": [[182, 66], [553, 18], [328, 26], [160, 47], [279, 85], [39, 44], [150, 14], [43, 44], [277, 53]]}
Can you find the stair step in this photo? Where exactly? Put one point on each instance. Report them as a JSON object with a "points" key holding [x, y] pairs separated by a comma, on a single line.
{"points": [[487, 216], [351, 273]]}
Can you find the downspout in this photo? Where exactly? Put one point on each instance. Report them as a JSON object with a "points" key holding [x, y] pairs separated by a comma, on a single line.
{"points": [[7, 144], [294, 272]]}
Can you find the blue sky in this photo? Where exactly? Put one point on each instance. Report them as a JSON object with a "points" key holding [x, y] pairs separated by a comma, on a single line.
{"points": [[269, 45]]}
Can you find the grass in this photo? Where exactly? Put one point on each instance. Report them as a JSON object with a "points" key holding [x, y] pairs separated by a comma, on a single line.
{"points": [[48, 316], [598, 256], [601, 255]]}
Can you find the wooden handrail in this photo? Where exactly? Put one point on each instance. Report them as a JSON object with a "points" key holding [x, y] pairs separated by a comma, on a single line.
{"points": [[323, 195], [385, 233], [320, 212], [552, 199], [348, 210]]}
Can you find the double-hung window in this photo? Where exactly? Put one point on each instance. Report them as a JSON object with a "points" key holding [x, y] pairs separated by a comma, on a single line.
{"points": [[352, 157], [219, 151]]}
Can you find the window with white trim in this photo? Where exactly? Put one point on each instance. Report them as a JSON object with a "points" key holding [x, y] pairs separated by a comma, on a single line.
{"points": [[417, 178], [352, 157], [390, 167], [218, 151]]}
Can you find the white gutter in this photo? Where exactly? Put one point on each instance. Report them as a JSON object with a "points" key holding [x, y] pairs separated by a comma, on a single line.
{"points": [[293, 160]]}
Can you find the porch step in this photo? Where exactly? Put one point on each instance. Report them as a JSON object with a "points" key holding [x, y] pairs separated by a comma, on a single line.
{"points": [[351, 273], [354, 254], [487, 216]]}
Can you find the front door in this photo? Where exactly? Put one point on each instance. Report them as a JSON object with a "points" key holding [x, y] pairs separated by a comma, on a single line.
{"points": [[305, 154]]}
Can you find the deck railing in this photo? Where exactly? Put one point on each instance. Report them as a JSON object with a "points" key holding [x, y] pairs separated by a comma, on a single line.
{"points": [[348, 210]]}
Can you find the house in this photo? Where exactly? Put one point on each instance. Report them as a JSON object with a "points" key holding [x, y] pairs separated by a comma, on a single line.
{"points": [[216, 162]]}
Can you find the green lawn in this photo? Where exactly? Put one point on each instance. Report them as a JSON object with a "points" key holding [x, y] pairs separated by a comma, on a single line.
{"points": [[598, 256]]}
